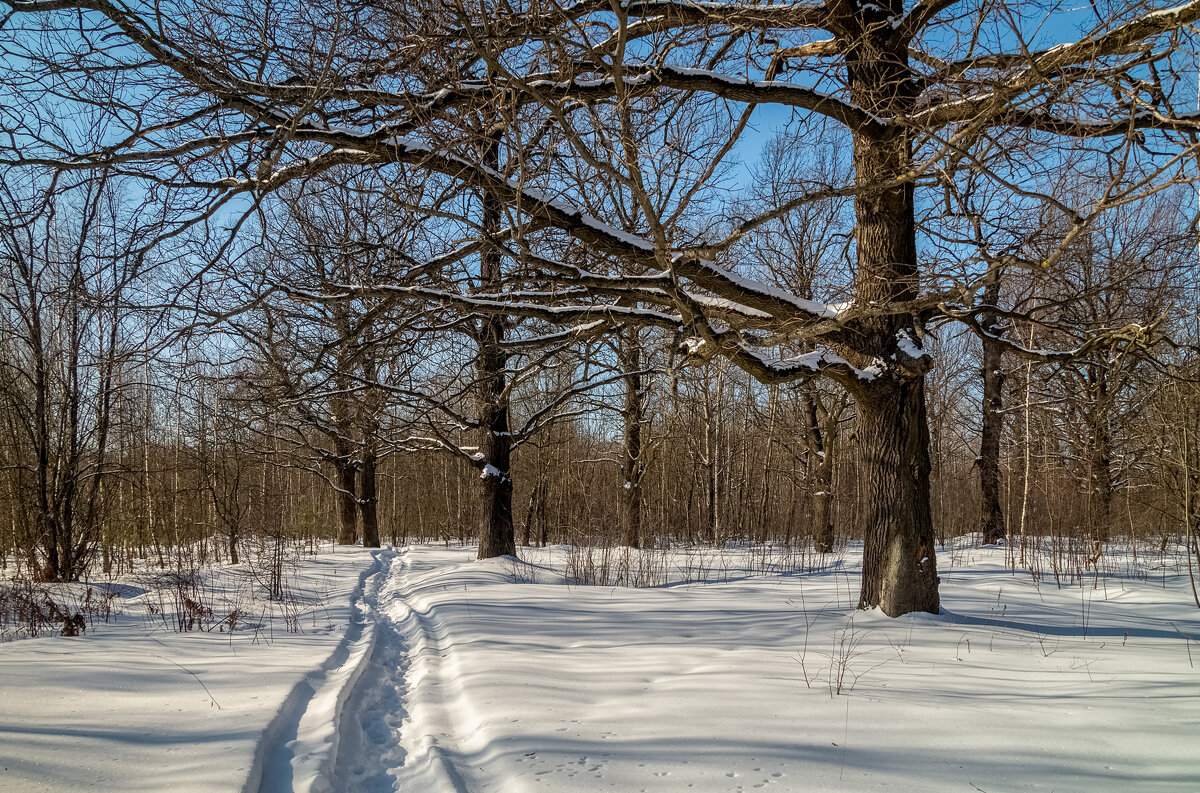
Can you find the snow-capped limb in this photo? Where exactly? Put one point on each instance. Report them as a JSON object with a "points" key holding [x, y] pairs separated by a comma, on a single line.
{"points": [[729, 307], [489, 470], [646, 78], [1119, 122], [1126, 39], [655, 16], [564, 314], [909, 346], [573, 333], [995, 107], [1117, 40], [670, 14], [469, 454], [650, 284], [910, 355], [771, 370], [1131, 337], [814, 49], [708, 342], [755, 295]]}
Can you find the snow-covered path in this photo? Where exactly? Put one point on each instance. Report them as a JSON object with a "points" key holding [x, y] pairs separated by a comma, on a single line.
{"points": [[342, 730], [374, 753]]}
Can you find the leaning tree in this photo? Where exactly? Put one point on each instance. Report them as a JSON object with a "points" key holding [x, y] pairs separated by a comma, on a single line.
{"points": [[523, 104]]}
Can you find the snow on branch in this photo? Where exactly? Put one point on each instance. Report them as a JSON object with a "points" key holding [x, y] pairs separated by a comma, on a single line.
{"points": [[996, 105], [752, 294], [645, 78]]}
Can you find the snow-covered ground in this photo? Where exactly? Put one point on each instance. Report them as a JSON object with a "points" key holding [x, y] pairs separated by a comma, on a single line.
{"points": [[135, 706], [457, 675]]}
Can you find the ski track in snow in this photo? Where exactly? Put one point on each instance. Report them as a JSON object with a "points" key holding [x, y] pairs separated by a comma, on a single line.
{"points": [[375, 757], [341, 729], [300, 750]]}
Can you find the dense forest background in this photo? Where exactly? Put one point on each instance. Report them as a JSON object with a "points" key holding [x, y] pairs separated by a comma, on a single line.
{"points": [[299, 273], [149, 438]]}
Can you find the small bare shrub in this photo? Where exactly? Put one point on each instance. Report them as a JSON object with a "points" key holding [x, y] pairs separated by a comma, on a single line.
{"points": [[29, 610]]}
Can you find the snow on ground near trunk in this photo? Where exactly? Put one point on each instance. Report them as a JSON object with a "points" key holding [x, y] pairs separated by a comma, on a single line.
{"points": [[134, 706], [489, 681]]}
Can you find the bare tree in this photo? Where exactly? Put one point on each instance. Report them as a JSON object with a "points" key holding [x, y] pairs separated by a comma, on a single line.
{"points": [[63, 337]]}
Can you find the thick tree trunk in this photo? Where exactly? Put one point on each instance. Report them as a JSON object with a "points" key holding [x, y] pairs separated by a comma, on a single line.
{"points": [[991, 515], [368, 500], [822, 515], [1101, 497], [496, 534], [899, 562], [631, 499]]}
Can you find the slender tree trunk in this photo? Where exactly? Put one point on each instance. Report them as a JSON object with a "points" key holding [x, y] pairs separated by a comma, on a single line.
{"points": [[764, 522], [632, 465], [712, 460], [233, 541], [821, 475], [991, 514], [527, 532]]}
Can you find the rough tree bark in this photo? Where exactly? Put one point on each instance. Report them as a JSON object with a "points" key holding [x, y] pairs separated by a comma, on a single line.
{"points": [[991, 514], [346, 494], [821, 442], [899, 562], [344, 463], [368, 500], [632, 465], [496, 534], [1100, 475]]}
